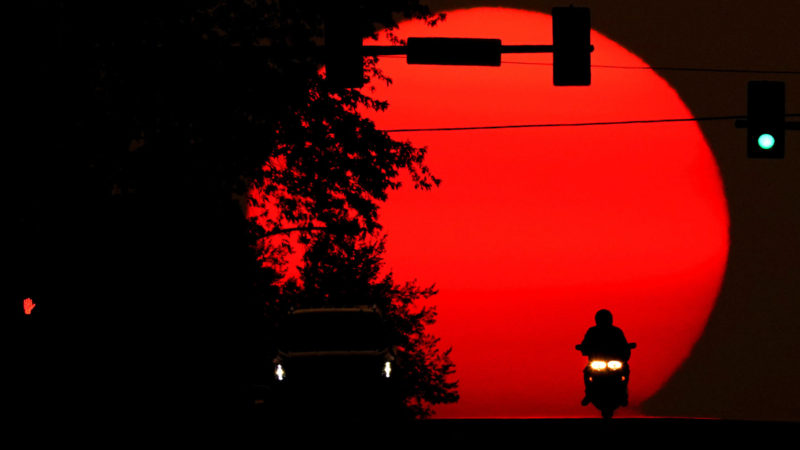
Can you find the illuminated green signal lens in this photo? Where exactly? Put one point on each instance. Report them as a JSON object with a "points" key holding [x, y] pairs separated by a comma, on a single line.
{"points": [[766, 141]]}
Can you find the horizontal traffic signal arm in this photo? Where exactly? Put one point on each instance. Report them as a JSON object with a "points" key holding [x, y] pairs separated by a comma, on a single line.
{"points": [[453, 51], [571, 48]]}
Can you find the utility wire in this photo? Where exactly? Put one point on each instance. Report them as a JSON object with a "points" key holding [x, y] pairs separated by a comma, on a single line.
{"points": [[663, 68], [572, 124], [685, 69]]}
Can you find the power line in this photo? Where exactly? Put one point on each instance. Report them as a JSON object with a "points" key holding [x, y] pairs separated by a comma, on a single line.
{"points": [[663, 68], [685, 69], [571, 124]]}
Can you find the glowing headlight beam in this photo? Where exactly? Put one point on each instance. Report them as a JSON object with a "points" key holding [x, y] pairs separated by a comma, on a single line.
{"points": [[387, 369], [598, 365], [279, 372], [615, 365]]}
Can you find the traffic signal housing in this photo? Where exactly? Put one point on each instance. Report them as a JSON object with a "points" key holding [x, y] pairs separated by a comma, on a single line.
{"points": [[344, 59], [766, 127], [572, 48]]}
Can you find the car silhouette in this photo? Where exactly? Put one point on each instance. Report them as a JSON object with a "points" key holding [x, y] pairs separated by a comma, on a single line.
{"points": [[338, 358]]}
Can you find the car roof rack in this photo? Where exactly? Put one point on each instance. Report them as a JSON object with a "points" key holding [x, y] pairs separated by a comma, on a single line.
{"points": [[324, 309]]}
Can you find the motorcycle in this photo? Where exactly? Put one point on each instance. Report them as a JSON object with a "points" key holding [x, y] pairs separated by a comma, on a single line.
{"points": [[606, 381]]}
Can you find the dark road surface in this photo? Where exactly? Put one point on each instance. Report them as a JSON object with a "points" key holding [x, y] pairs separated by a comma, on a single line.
{"points": [[624, 433], [484, 434], [544, 433]]}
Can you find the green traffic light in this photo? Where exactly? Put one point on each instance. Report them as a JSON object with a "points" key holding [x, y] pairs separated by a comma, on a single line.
{"points": [[766, 141]]}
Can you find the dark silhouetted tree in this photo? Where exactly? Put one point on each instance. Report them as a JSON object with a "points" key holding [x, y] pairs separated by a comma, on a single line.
{"points": [[346, 270], [140, 128]]}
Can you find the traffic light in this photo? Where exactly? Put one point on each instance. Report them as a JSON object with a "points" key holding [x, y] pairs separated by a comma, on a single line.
{"points": [[572, 48], [344, 60], [765, 119]]}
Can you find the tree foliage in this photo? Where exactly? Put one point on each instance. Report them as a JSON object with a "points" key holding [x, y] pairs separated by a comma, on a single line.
{"points": [[331, 171], [345, 270], [142, 128]]}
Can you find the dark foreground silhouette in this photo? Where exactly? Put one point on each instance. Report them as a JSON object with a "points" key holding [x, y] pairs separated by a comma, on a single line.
{"points": [[596, 433], [607, 373], [512, 433], [334, 364]]}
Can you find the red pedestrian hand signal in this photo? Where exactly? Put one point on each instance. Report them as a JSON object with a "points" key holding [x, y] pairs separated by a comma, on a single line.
{"points": [[28, 305]]}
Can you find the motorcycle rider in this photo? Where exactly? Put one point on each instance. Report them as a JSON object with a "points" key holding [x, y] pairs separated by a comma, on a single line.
{"points": [[604, 340]]}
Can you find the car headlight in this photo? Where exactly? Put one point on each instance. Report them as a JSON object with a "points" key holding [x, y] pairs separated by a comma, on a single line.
{"points": [[279, 372], [598, 365], [387, 369], [615, 365]]}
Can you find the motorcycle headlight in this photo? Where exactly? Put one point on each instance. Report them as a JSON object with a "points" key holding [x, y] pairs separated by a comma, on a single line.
{"points": [[598, 365], [279, 372], [615, 365], [387, 369]]}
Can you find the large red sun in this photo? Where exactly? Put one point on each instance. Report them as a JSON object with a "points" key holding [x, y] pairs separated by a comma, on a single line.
{"points": [[532, 230]]}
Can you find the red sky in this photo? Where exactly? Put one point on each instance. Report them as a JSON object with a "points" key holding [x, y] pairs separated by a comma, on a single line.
{"points": [[533, 230]]}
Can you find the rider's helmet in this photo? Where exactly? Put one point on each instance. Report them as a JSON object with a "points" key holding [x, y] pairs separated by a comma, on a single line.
{"points": [[603, 318]]}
